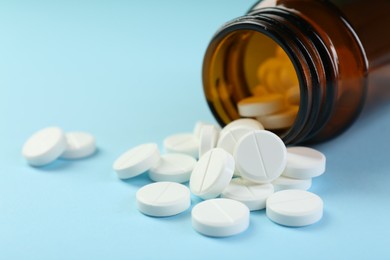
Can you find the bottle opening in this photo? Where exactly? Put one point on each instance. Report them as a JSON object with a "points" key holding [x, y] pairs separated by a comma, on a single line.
{"points": [[248, 74]]}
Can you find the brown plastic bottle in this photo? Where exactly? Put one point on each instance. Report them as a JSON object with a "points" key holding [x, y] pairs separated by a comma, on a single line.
{"points": [[340, 50]]}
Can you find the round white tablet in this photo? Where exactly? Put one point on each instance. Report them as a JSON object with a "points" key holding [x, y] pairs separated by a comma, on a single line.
{"points": [[173, 167], [137, 160], [260, 156], [233, 131], [260, 105], [212, 173], [44, 146], [285, 183], [294, 208], [304, 163], [182, 143], [229, 138], [256, 125], [198, 126], [220, 217], [280, 120], [78, 145], [208, 138], [163, 199], [253, 195]]}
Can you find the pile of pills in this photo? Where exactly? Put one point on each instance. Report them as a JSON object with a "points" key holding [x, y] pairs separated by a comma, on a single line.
{"points": [[51, 143], [234, 170], [274, 102], [238, 169]]}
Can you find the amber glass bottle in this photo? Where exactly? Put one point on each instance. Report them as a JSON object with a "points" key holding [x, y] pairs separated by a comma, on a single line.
{"points": [[335, 47]]}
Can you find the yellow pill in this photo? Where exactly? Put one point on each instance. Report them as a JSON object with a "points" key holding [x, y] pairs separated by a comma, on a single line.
{"points": [[281, 54], [259, 90], [293, 95], [274, 82], [270, 64], [287, 74], [279, 120]]}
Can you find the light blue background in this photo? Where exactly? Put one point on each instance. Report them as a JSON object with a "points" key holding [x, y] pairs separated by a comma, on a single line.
{"points": [[130, 72]]}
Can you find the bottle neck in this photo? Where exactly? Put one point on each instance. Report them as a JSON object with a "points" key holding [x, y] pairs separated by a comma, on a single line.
{"points": [[316, 63], [314, 66]]}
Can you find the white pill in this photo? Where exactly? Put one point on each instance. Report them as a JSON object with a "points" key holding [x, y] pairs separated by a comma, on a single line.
{"points": [[182, 143], [173, 167], [260, 156], [198, 126], [285, 183], [253, 195], [79, 145], [304, 163], [220, 217], [229, 138], [44, 146], [208, 139], [260, 105], [212, 173], [282, 119], [256, 125], [163, 199], [137, 160], [226, 135], [294, 208]]}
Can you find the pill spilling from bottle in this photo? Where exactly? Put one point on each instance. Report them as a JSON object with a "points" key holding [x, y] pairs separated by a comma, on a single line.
{"points": [[235, 170], [274, 101]]}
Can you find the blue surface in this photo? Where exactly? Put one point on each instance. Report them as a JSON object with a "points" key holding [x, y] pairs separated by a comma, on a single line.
{"points": [[129, 72]]}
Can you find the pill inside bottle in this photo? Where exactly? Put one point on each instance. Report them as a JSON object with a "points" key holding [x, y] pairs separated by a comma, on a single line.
{"points": [[253, 78], [301, 68]]}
